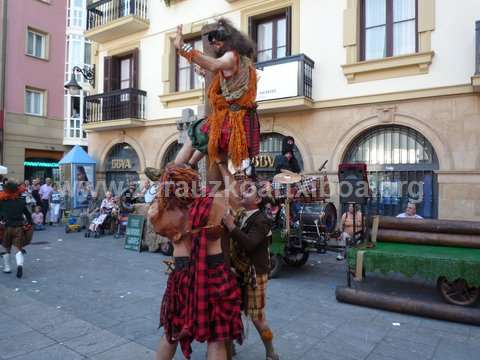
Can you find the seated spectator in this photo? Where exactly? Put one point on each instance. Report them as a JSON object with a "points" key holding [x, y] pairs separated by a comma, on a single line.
{"points": [[37, 219], [410, 212], [347, 228], [130, 193]]}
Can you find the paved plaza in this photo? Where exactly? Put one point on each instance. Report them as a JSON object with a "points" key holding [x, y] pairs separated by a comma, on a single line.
{"points": [[91, 299]]}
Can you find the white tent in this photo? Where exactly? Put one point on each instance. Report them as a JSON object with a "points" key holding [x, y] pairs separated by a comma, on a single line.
{"points": [[3, 170]]}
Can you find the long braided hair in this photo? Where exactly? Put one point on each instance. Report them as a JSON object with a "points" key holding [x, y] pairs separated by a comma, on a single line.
{"points": [[178, 187]]}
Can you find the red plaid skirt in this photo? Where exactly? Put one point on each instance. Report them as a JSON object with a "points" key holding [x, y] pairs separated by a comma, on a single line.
{"points": [[224, 305], [252, 133], [173, 309]]}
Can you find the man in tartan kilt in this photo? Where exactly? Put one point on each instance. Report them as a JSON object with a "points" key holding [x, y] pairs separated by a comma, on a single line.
{"points": [[202, 300]]}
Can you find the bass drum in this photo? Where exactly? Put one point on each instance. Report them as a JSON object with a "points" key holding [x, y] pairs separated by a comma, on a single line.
{"points": [[325, 214]]}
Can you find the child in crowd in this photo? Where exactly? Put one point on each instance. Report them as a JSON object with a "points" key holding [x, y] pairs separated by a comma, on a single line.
{"points": [[37, 218]]}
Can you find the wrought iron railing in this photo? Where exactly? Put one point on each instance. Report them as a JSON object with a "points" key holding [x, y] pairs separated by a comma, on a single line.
{"points": [[102, 12], [305, 71], [115, 105]]}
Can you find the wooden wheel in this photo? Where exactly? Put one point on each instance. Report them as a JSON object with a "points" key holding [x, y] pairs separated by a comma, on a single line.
{"points": [[297, 259], [458, 292]]}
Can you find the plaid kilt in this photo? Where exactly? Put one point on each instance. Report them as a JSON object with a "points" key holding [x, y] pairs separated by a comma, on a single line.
{"points": [[255, 298], [198, 133], [15, 236], [172, 311], [224, 302]]}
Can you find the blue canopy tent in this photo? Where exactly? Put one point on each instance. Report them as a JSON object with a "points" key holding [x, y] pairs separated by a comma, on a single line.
{"points": [[77, 175]]}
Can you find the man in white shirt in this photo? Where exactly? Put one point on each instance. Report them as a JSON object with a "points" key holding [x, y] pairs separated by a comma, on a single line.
{"points": [[45, 191], [410, 212]]}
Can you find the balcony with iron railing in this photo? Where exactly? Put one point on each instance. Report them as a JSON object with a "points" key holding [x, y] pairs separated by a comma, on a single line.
{"points": [[285, 84], [123, 108], [109, 20]]}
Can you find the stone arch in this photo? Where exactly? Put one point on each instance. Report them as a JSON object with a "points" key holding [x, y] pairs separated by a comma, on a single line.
{"points": [[163, 149], [440, 145], [122, 139]]}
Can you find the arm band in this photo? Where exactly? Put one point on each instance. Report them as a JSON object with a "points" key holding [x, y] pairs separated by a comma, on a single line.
{"points": [[189, 55]]}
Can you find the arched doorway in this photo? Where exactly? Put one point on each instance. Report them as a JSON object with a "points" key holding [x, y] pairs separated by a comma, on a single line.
{"points": [[122, 167], [401, 165], [270, 148]]}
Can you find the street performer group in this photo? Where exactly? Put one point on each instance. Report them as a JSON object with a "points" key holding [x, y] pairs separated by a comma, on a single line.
{"points": [[220, 237]]}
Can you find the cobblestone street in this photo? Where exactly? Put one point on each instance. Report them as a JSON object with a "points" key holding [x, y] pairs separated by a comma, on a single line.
{"points": [[91, 299]]}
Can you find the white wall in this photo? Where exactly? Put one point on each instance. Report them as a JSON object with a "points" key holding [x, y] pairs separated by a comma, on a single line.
{"points": [[321, 34]]}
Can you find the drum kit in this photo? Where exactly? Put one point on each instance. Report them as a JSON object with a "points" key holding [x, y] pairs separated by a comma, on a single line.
{"points": [[312, 224]]}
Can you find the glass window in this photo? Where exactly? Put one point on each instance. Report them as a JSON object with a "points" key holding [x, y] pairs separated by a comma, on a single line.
{"points": [[34, 101], [88, 54], [389, 28], [125, 73], [272, 38], [36, 44], [187, 78]]}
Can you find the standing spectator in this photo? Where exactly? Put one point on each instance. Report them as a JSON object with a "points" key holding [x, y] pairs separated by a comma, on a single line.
{"points": [[55, 202], [36, 191], [45, 191], [37, 218], [410, 212], [28, 187]]}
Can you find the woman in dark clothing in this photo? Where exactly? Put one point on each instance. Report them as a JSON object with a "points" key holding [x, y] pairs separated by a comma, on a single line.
{"points": [[287, 160], [13, 208]]}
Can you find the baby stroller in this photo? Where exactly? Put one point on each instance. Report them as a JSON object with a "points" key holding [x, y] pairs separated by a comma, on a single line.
{"points": [[101, 224]]}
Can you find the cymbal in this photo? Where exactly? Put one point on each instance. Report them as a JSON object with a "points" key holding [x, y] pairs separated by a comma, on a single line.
{"points": [[287, 177]]}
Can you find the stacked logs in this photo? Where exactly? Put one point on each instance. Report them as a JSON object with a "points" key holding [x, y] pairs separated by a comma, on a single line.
{"points": [[429, 232]]}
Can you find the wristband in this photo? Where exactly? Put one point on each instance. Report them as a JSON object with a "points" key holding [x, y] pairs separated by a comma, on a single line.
{"points": [[189, 55]]}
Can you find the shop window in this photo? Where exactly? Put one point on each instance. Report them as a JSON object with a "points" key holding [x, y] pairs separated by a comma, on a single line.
{"points": [[401, 166]]}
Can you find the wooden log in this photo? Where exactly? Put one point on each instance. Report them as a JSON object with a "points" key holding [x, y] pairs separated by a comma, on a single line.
{"points": [[427, 238], [430, 225], [408, 306]]}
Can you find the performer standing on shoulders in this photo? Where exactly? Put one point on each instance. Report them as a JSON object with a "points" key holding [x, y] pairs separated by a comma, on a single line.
{"points": [[13, 208], [232, 126]]}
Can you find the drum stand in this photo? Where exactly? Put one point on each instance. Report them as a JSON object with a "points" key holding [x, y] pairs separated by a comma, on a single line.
{"points": [[349, 275]]}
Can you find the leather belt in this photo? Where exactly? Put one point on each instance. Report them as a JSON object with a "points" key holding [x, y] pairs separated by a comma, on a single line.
{"points": [[237, 107]]}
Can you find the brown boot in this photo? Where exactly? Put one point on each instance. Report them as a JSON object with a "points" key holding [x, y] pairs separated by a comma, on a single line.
{"points": [[153, 174]]}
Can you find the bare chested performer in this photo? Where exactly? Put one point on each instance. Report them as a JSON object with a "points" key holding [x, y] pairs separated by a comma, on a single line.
{"points": [[232, 127], [202, 300]]}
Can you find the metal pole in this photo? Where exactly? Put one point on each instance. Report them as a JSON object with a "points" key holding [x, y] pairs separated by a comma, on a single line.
{"points": [[3, 59], [477, 47]]}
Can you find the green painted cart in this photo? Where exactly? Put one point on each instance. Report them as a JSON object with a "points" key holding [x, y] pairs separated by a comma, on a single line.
{"points": [[456, 270]]}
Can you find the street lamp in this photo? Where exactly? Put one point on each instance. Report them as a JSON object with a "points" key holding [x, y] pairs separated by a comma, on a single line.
{"points": [[88, 74]]}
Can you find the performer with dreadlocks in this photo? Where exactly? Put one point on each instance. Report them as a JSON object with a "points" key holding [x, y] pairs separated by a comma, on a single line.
{"points": [[232, 127], [202, 298]]}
